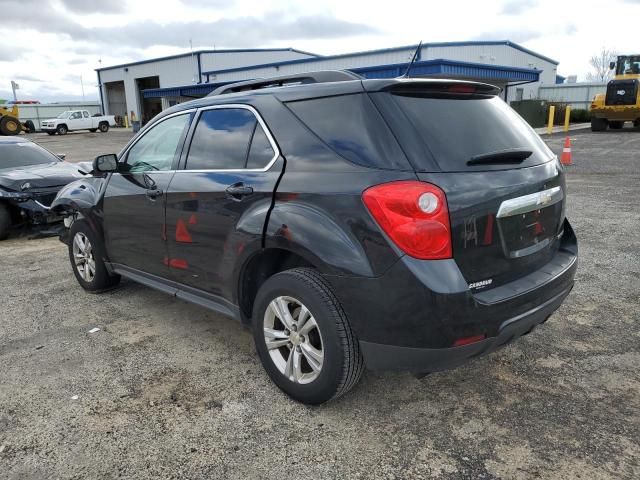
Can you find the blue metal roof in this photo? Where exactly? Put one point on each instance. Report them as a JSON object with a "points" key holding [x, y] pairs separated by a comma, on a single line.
{"points": [[383, 50], [441, 67], [454, 69], [196, 91]]}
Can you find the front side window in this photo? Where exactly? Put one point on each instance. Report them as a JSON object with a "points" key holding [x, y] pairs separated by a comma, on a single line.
{"points": [[223, 141], [76, 116], [157, 149]]}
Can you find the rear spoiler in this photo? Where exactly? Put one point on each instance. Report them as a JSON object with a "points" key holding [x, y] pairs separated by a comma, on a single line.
{"points": [[433, 87]]}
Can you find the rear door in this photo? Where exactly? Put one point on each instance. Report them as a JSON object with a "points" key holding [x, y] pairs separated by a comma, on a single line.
{"points": [[505, 189], [218, 201]]}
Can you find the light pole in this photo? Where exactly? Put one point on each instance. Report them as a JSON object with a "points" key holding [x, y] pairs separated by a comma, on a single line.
{"points": [[14, 87]]}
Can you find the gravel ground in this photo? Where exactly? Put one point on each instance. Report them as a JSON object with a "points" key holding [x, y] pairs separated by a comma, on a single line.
{"points": [[169, 390]]}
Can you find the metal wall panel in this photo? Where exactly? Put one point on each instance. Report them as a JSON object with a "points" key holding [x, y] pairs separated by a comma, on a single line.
{"points": [[578, 95], [183, 70], [224, 60]]}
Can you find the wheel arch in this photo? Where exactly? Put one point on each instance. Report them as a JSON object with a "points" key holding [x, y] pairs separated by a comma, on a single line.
{"points": [[258, 268]]}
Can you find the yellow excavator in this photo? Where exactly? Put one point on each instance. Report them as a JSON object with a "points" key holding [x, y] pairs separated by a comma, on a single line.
{"points": [[621, 102], [10, 123]]}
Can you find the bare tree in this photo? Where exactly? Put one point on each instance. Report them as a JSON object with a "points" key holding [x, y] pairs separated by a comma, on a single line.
{"points": [[600, 65]]}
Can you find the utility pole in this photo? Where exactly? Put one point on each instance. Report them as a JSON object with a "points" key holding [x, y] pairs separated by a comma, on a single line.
{"points": [[82, 86], [14, 87]]}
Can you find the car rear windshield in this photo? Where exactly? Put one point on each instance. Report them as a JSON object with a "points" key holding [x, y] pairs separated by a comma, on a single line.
{"points": [[23, 155], [456, 129]]}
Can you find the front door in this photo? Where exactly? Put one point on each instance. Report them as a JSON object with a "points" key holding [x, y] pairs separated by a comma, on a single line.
{"points": [[134, 202], [218, 203]]}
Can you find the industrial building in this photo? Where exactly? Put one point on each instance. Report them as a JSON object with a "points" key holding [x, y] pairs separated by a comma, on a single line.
{"points": [[147, 87]]}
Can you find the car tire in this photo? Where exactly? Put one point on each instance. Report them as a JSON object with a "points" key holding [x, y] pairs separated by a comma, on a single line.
{"points": [[5, 221], [93, 130], [86, 254], [10, 125], [62, 129], [326, 352], [30, 126], [615, 125], [104, 127]]}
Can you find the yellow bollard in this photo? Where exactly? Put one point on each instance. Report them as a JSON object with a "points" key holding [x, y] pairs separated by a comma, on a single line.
{"points": [[552, 114], [126, 121], [567, 117]]}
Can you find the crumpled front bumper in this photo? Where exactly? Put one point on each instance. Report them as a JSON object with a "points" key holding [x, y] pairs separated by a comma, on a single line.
{"points": [[33, 207]]}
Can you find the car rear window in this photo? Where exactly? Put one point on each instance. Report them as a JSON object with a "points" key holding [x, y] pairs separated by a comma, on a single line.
{"points": [[456, 129], [352, 126]]}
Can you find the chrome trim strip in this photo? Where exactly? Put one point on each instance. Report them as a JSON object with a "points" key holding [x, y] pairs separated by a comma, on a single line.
{"points": [[262, 123], [528, 203]]}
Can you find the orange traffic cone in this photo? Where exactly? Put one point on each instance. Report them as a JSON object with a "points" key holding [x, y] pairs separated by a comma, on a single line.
{"points": [[565, 158]]}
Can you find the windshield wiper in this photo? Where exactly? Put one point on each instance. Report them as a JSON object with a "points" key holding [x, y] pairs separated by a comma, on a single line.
{"points": [[511, 155]]}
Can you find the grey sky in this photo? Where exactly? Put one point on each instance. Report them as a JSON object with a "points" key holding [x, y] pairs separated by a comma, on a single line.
{"points": [[62, 40]]}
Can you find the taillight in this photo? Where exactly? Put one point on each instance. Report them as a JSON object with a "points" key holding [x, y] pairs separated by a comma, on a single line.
{"points": [[414, 215]]}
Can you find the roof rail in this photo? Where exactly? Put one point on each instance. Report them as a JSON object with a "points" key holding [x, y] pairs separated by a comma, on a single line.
{"points": [[321, 76]]}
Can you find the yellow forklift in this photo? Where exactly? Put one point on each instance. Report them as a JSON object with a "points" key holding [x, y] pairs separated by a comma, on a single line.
{"points": [[621, 102], [10, 123]]}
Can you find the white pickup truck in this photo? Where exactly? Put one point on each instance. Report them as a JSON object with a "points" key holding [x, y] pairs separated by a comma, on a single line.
{"points": [[77, 120]]}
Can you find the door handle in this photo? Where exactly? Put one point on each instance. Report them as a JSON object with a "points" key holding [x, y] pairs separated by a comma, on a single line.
{"points": [[153, 194], [239, 190]]}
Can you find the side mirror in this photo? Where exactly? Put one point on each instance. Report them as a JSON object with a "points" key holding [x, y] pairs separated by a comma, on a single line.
{"points": [[61, 156], [612, 65], [105, 163]]}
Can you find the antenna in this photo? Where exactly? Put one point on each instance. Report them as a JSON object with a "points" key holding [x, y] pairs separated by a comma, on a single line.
{"points": [[413, 60]]}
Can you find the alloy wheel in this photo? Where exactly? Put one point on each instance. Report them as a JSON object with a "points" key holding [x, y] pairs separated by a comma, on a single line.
{"points": [[83, 257], [293, 340]]}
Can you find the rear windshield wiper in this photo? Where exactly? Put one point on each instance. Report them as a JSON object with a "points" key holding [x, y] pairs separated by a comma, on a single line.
{"points": [[512, 155]]}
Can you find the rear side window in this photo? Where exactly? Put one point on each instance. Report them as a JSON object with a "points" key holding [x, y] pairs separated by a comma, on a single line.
{"points": [[229, 139], [456, 129], [261, 151], [352, 126]]}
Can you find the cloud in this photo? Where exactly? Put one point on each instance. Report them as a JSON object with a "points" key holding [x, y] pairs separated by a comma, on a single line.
{"points": [[28, 78], [8, 54], [516, 35], [94, 6], [232, 32], [516, 7], [236, 32]]}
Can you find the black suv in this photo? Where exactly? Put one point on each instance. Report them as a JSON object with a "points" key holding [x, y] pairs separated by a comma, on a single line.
{"points": [[399, 224]]}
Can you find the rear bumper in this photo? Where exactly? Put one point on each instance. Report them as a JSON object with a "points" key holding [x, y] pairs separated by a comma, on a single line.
{"points": [[411, 317], [427, 360]]}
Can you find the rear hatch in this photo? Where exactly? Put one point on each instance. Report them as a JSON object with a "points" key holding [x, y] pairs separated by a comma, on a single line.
{"points": [[504, 187]]}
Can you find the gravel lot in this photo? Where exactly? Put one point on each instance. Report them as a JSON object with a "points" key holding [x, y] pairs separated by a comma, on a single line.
{"points": [[170, 390]]}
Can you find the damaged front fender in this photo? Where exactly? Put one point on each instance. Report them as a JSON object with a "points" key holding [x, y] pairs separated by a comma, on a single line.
{"points": [[79, 196]]}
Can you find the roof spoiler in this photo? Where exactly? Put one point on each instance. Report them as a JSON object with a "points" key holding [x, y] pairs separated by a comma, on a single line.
{"points": [[434, 86], [322, 76]]}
